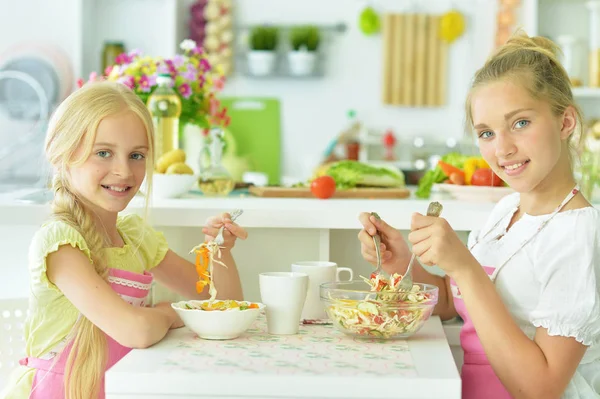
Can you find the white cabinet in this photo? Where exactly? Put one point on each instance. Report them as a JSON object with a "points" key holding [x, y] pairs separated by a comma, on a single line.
{"points": [[156, 26], [556, 18]]}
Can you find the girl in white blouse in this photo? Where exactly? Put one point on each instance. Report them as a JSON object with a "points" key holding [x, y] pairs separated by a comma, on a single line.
{"points": [[528, 284]]}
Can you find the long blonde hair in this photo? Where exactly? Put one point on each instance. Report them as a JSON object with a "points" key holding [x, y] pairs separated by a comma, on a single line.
{"points": [[533, 62], [74, 125]]}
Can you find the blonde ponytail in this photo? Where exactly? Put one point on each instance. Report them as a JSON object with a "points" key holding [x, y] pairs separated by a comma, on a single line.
{"points": [[74, 126]]}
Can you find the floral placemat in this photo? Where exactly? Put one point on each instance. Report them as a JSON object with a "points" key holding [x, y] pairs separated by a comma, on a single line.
{"points": [[315, 350]]}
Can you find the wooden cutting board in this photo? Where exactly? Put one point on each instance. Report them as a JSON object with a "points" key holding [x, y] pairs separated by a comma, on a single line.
{"points": [[304, 192]]}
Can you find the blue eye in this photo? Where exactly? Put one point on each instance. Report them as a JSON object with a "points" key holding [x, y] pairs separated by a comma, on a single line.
{"points": [[486, 135], [103, 154], [137, 156], [521, 124]]}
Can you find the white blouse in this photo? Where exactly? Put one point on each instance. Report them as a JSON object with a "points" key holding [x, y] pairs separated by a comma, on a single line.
{"points": [[553, 281]]}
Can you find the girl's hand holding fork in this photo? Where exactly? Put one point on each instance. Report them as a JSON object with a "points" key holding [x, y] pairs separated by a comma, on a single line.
{"points": [[231, 231]]}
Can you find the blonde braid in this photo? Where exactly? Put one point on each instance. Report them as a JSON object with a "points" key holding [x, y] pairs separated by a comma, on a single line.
{"points": [[86, 337]]}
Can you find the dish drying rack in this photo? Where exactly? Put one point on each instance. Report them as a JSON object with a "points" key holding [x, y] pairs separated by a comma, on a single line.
{"points": [[22, 161]]}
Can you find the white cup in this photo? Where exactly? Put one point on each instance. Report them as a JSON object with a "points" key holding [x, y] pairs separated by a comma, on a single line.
{"points": [[318, 273], [284, 294]]}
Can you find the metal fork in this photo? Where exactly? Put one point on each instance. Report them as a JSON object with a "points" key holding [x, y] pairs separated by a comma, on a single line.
{"points": [[377, 241], [406, 284], [219, 240]]}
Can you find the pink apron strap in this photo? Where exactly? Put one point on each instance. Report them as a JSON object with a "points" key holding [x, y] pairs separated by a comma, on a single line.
{"points": [[43, 364]]}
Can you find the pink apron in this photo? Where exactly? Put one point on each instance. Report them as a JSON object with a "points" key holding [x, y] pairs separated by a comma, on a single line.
{"points": [[478, 378], [48, 381]]}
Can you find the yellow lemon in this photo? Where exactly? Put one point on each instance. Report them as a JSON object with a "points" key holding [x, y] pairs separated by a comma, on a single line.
{"points": [[452, 26]]}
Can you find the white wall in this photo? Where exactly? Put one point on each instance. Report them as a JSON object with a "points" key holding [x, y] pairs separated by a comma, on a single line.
{"points": [[313, 110]]}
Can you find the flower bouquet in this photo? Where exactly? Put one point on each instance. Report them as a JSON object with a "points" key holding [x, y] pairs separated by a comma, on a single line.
{"points": [[196, 81]]}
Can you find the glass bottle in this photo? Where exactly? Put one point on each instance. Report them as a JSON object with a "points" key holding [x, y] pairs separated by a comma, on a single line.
{"points": [[214, 179], [165, 106], [110, 52]]}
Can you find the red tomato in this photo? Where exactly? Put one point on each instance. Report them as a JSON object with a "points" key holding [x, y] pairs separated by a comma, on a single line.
{"points": [[486, 177], [323, 187]]}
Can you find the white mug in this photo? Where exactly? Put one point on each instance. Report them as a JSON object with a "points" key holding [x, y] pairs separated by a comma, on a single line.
{"points": [[283, 294], [318, 273]]}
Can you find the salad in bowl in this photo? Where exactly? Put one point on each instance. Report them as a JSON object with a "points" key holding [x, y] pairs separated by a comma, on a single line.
{"points": [[221, 319], [372, 308]]}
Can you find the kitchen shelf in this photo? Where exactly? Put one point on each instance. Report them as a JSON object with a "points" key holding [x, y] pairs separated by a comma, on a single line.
{"points": [[339, 27], [282, 67]]}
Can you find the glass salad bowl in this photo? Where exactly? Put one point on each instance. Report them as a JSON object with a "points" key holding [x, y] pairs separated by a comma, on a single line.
{"points": [[357, 311]]}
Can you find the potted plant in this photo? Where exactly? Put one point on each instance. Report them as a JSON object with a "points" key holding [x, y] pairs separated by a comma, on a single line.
{"points": [[261, 57], [304, 41]]}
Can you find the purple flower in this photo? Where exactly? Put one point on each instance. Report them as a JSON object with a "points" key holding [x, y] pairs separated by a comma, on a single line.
{"points": [[135, 53], [146, 82], [162, 68], [197, 51], [178, 60], [190, 73], [185, 90], [128, 81]]}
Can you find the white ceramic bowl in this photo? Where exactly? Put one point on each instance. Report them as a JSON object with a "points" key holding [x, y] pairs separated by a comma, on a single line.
{"points": [[216, 324], [171, 186]]}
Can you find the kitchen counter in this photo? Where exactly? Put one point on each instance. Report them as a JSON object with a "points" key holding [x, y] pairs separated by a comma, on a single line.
{"points": [[319, 362]]}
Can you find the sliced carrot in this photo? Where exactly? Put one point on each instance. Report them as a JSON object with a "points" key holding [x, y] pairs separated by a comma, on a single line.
{"points": [[449, 169], [253, 306], [198, 265], [200, 286]]}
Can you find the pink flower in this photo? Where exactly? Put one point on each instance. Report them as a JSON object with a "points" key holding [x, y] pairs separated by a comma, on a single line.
{"points": [[171, 68], [204, 65], [146, 83], [219, 83], [123, 59], [185, 90], [214, 105], [93, 77], [80, 83], [108, 70], [128, 81]]}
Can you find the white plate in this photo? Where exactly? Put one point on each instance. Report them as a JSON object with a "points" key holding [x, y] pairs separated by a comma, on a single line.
{"points": [[473, 193]]}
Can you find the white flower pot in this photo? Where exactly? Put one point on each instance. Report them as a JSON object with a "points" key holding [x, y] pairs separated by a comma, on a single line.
{"points": [[301, 63], [261, 63]]}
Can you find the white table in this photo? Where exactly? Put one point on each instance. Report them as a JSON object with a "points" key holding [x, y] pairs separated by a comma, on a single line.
{"points": [[319, 362]]}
